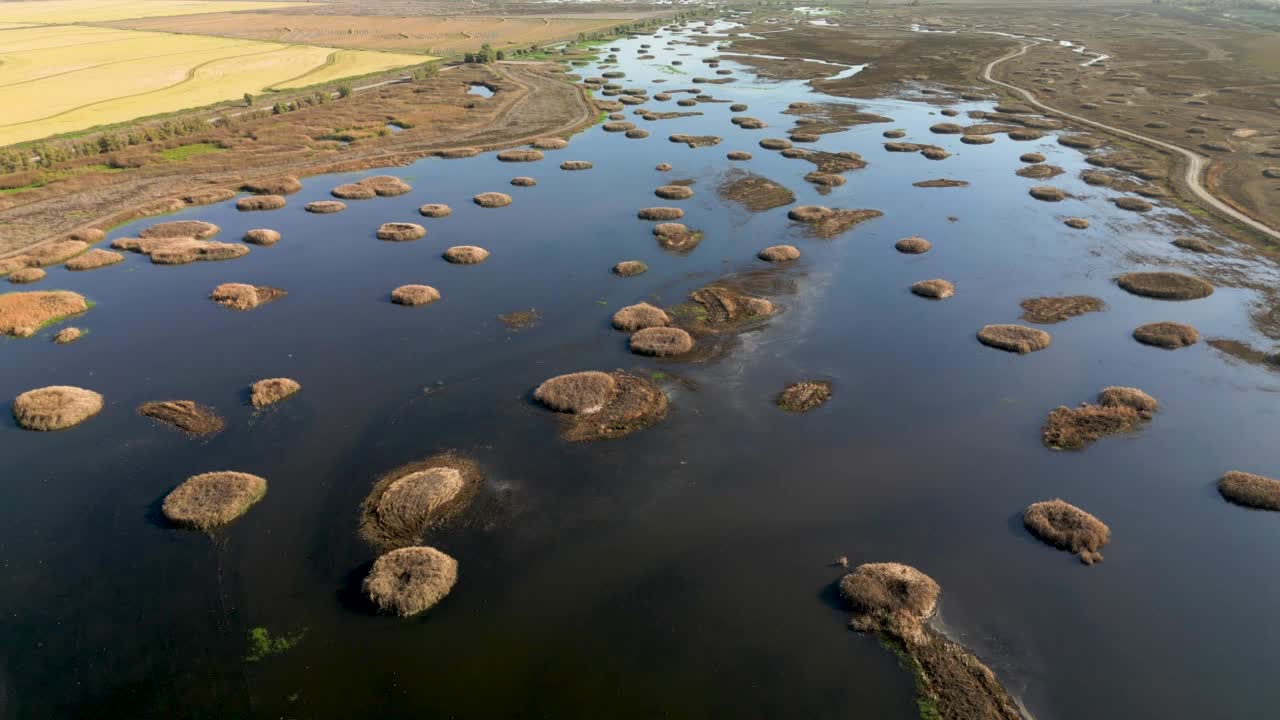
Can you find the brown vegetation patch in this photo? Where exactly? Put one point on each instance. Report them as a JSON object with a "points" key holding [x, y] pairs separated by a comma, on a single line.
{"points": [[413, 295], [894, 134], [325, 207], [353, 191], [940, 183], [1067, 527], [1194, 245], [754, 192], [662, 167], [272, 390], [1132, 204], [676, 237], [825, 179], [260, 202], [56, 407], [1170, 335], [553, 143], [1047, 193], [661, 341], [1250, 490], [1014, 338], [1078, 223], [936, 289], [207, 197], [640, 316], [523, 181], [22, 314], [435, 210], [779, 253], [660, 213], [213, 499], [695, 141], [492, 199], [1049, 310], [458, 153], [738, 155], [913, 245], [718, 308], [630, 268], [24, 276], [1040, 172], [180, 251], [1118, 410], [901, 147], [576, 165], [803, 396], [284, 185], [1025, 134], [240, 296], [410, 580], [580, 393], [1081, 142], [93, 259], [400, 232], [804, 137], [411, 499], [186, 415], [946, 128], [637, 134], [197, 229], [1165, 285], [839, 222], [810, 213], [1031, 157], [934, 153], [775, 144], [68, 335], [524, 155], [465, 254], [634, 404], [674, 192], [262, 236]]}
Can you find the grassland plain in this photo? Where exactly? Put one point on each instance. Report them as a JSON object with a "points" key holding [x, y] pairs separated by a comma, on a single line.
{"points": [[65, 78], [74, 11], [437, 35]]}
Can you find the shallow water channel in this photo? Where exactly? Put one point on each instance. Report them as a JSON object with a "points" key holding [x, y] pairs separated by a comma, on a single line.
{"points": [[683, 571]]}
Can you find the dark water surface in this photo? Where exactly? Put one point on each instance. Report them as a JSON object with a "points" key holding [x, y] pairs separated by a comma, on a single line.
{"points": [[683, 571]]}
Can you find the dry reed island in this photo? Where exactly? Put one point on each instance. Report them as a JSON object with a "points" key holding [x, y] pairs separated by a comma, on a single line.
{"points": [[750, 238]]}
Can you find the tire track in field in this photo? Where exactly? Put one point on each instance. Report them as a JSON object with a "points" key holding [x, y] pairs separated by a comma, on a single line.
{"points": [[329, 61], [191, 74]]}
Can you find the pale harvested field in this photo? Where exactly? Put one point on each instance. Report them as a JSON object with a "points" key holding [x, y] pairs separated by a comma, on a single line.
{"points": [[73, 11], [55, 80], [437, 35]]}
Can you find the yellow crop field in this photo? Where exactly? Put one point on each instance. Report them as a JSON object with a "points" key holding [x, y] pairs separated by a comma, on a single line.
{"points": [[61, 79], [74, 11]]}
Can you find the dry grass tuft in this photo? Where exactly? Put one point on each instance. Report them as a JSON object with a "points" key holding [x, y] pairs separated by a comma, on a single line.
{"points": [[674, 192], [520, 155], [937, 289], [523, 181], [640, 316], [676, 237], [466, 254], [410, 499], [1165, 285], [410, 580], [1067, 527], [634, 404], [56, 407], [1040, 172], [68, 335], [1031, 157], [354, 191], [660, 213], [576, 165], [890, 597], [180, 251], [239, 296], [22, 314], [284, 185], [1078, 223], [435, 210], [414, 295], [272, 390], [186, 415], [24, 276], [1250, 490], [550, 143], [260, 202], [400, 232], [1014, 338], [779, 253], [181, 229], [580, 393], [661, 341], [1194, 245], [913, 245], [325, 207], [738, 155], [1169, 335], [1132, 203], [630, 268], [1119, 410], [775, 144], [262, 236], [492, 200], [1049, 310], [1047, 193], [935, 153], [803, 396], [810, 213], [212, 499]]}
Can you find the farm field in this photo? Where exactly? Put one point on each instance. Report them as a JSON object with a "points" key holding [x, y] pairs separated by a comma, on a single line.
{"points": [[55, 80], [436, 35], [74, 11]]}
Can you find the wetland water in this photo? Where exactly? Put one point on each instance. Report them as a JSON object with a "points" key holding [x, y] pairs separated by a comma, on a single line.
{"points": [[684, 570]]}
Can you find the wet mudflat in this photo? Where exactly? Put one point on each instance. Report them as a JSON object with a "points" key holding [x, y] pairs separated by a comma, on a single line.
{"points": [[682, 570]]}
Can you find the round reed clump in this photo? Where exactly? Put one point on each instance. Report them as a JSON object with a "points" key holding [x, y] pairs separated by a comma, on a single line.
{"points": [[803, 396], [550, 143], [810, 213], [1014, 338], [779, 253], [913, 245], [660, 213], [1169, 335], [946, 128], [1031, 157], [674, 192], [465, 254], [661, 341], [353, 191], [1250, 490], [825, 179], [1047, 193], [1039, 171], [284, 185], [640, 316], [894, 134], [1067, 527], [492, 200], [662, 167], [435, 210], [580, 393], [935, 153], [387, 185], [1132, 204], [186, 415], [890, 596], [22, 276], [260, 202], [1165, 285], [458, 153], [523, 181], [413, 295], [738, 155], [576, 165], [775, 144], [197, 229], [738, 107], [240, 296], [618, 126], [56, 407], [272, 390], [262, 236], [400, 232], [520, 155], [1078, 223], [629, 268], [410, 580], [325, 207], [936, 289], [213, 499], [68, 335], [1194, 245]]}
